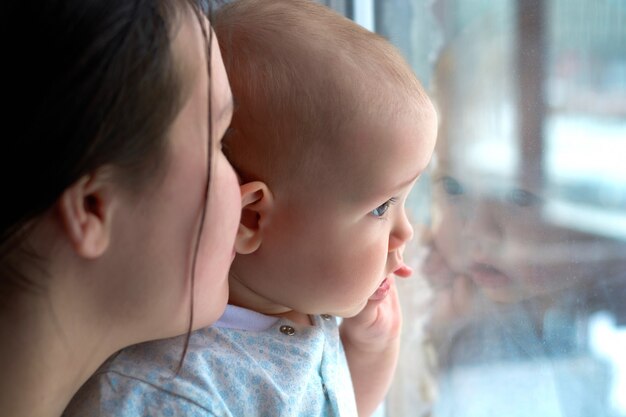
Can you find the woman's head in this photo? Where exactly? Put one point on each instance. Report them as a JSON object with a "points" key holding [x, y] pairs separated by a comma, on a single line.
{"points": [[110, 161], [98, 86]]}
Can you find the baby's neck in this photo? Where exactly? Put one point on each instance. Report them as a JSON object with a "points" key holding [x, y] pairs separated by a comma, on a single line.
{"points": [[242, 296], [296, 317]]}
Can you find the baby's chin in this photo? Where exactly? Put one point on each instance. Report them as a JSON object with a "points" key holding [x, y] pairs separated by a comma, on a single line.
{"points": [[349, 312]]}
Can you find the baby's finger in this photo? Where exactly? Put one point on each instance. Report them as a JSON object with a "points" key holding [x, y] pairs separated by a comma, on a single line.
{"points": [[437, 271], [371, 311], [462, 294]]}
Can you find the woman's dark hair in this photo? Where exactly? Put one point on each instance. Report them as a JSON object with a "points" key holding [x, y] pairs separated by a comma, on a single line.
{"points": [[87, 83]]}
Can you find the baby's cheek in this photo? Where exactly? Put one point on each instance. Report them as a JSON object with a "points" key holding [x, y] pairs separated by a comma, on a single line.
{"points": [[373, 261]]}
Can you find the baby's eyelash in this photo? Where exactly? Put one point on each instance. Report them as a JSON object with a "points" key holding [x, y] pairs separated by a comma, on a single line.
{"points": [[379, 212]]}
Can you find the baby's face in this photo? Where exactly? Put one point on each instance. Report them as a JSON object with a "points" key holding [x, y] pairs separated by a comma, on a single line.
{"points": [[329, 249], [497, 233]]}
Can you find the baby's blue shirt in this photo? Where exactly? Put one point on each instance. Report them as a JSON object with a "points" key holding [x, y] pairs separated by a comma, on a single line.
{"points": [[247, 364]]}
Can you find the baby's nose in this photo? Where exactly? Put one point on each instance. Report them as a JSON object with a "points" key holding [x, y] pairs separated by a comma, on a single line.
{"points": [[401, 233]]}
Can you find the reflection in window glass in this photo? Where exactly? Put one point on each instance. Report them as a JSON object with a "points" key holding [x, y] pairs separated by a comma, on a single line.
{"points": [[520, 307]]}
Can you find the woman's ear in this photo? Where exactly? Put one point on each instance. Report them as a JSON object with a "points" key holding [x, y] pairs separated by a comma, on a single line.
{"points": [[85, 209], [256, 202]]}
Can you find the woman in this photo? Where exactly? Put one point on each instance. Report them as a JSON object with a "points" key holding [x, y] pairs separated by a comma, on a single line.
{"points": [[120, 208]]}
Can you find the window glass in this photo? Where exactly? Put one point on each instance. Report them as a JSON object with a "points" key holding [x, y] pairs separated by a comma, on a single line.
{"points": [[519, 308]]}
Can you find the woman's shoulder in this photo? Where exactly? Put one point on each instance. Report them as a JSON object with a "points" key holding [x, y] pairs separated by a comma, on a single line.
{"points": [[145, 380], [145, 388]]}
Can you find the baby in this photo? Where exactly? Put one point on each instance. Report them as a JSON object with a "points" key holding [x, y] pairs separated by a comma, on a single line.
{"points": [[330, 133]]}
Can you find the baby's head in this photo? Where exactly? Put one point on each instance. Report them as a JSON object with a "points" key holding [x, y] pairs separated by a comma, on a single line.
{"points": [[332, 129]]}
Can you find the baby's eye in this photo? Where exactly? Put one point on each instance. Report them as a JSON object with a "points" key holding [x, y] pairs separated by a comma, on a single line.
{"points": [[452, 186], [522, 198], [382, 209]]}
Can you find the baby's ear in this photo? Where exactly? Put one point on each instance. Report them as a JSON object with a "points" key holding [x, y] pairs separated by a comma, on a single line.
{"points": [[256, 202]]}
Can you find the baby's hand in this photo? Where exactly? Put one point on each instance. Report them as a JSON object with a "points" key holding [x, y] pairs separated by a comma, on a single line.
{"points": [[371, 340], [453, 292], [380, 321]]}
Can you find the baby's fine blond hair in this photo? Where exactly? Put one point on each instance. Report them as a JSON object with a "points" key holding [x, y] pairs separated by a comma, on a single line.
{"points": [[302, 76]]}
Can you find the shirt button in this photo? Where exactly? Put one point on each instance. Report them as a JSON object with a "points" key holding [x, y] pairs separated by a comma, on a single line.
{"points": [[326, 316], [288, 330]]}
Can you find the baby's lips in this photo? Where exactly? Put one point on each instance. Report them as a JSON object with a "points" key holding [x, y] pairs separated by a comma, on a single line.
{"points": [[403, 271]]}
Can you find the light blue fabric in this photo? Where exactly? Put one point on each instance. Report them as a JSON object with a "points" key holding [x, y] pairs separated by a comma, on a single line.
{"points": [[229, 370]]}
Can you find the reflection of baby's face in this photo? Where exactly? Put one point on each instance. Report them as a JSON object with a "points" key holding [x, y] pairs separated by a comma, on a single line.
{"points": [[495, 232]]}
